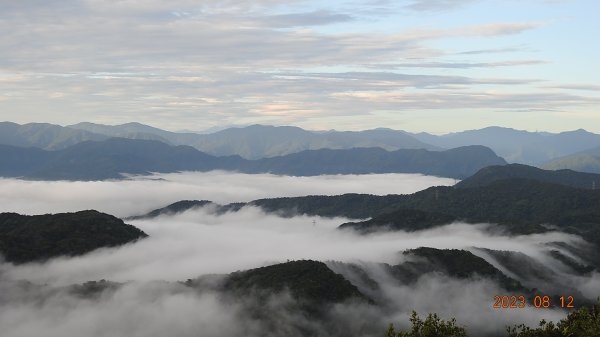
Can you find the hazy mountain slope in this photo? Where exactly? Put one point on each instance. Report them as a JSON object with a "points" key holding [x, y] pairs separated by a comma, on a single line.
{"points": [[586, 161], [137, 131], [456, 163], [16, 161], [516, 145], [175, 208], [110, 158], [40, 237], [44, 136], [403, 219], [491, 174], [259, 141]]}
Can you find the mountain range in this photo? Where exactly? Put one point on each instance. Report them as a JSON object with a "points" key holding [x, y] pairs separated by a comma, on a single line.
{"points": [[109, 159], [521, 200], [262, 141], [517, 146], [585, 161]]}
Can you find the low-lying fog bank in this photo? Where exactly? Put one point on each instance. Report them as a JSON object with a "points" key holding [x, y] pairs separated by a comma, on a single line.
{"points": [[199, 242], [151, 301], [142, 194]]}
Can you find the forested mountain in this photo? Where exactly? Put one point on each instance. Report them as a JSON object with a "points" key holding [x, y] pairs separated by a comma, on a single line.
{"points": [[518, 205], [517, 146], [116, 156], [570, 178], [40, 237], [586, 161]]}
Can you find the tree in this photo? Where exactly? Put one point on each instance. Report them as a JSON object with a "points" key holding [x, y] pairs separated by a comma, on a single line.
{"points": [[432, 326], [581, 323]]}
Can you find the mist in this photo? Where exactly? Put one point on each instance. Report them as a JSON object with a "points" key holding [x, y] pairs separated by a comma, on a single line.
{"points": [[151, 301], [199, 242], [140, 194]]}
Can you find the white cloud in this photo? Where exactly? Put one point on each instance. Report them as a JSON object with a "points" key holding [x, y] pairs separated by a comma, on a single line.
{"points": [[199, 242], [140, 195]]}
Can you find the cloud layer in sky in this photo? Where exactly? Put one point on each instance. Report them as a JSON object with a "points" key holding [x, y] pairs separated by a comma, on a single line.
{"points": [[194, 65]]}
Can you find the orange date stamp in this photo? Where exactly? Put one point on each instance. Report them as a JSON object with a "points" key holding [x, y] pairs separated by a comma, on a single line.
{"points": [[538, 302]]}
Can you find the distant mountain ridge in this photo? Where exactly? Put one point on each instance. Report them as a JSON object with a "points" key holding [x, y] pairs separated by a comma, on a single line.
{"points": [[116, 156], [491, 174], [264, 141], [517, 146], [44, 136], [585, 161]]}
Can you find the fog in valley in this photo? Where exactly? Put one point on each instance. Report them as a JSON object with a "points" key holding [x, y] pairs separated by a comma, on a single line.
{"points": [[143, 193], [198, 242]]}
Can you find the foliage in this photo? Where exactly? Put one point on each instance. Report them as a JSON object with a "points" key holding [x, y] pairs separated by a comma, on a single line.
{"points": [[432, 326], [581, 323], [521, 206], [452, 262], [304, 279], [40, 237], [491, 174]]}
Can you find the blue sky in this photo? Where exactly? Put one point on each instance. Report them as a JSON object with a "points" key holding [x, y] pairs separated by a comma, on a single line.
{"points": [[417, 65]]}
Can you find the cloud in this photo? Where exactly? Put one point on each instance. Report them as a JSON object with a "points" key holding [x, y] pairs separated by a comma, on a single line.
{"points": [[211, 63], [218, 61], [462, 65], [437, 5], [575, 86], [140, 195], [186, 246], [314, 18], [200, 242]]}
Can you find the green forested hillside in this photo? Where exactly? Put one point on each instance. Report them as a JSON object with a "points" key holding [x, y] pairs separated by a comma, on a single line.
{"points": [[494, 173], [40, 237]]}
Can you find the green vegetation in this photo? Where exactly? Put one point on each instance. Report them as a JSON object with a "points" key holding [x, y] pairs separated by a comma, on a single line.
{"points": [[174, 208], [40, 237], [452, 262], [581, 323], [355, 206], [521, 206], [403, 219], [583, 162], [432, 326], [306, 280], [491, 174]]}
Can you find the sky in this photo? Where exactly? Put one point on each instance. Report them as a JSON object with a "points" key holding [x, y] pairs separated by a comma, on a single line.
{"points": [[417, 65]]}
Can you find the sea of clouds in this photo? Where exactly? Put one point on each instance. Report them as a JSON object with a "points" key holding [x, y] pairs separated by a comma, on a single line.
{"points": [[200, 242]]}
